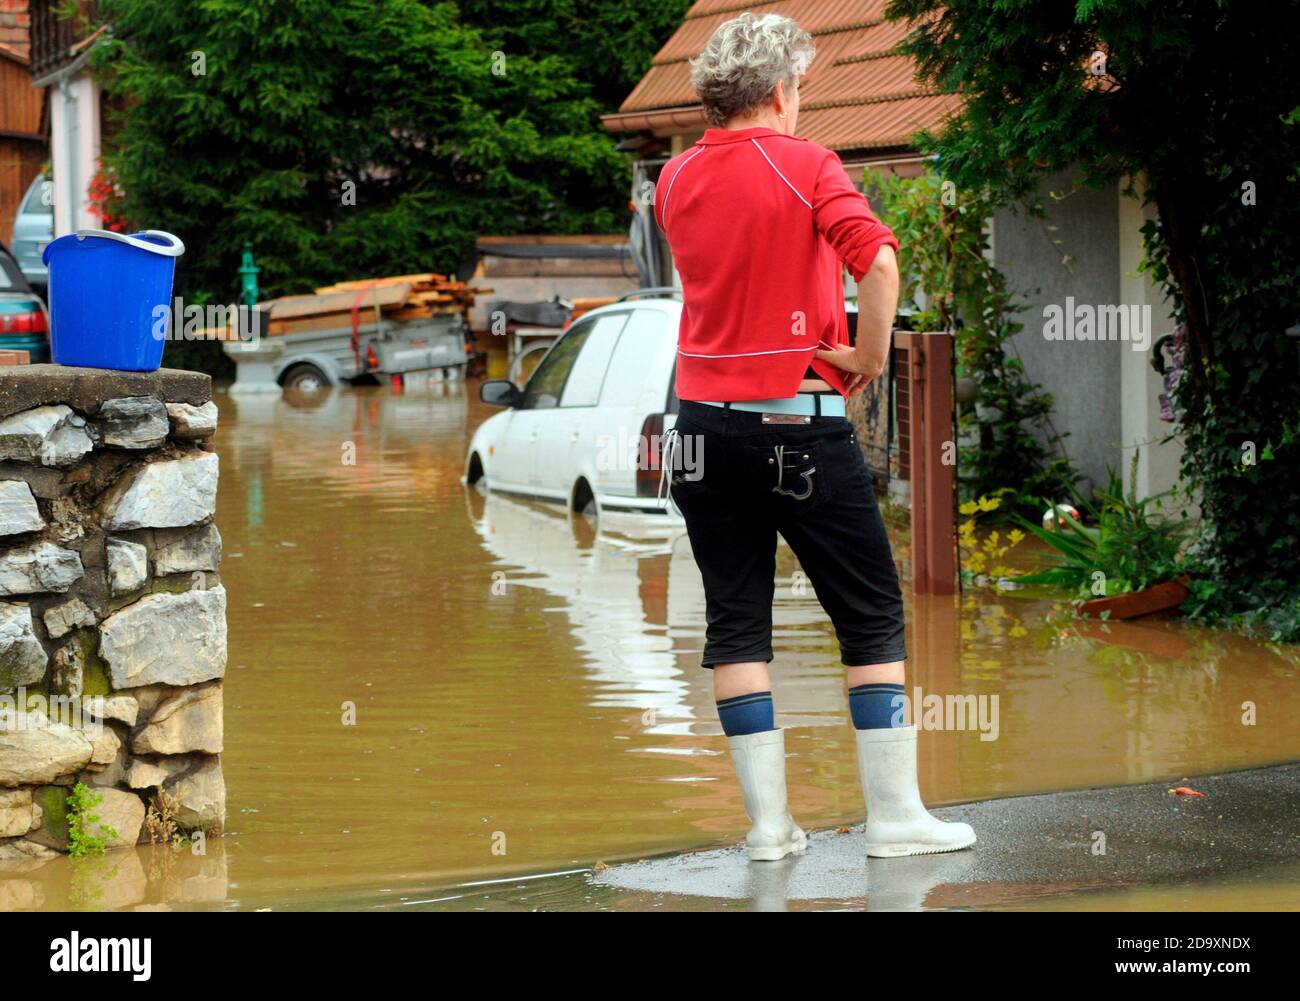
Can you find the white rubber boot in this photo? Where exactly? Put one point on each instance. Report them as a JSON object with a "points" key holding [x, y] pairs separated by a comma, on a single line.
{"points": [[897, 821], [760, 766]]}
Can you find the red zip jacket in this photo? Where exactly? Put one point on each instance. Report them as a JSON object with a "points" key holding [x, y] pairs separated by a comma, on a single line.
{"points": [[758, 223]]}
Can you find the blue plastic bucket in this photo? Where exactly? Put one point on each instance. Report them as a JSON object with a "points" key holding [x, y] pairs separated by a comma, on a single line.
{"points": [[106, 290]]}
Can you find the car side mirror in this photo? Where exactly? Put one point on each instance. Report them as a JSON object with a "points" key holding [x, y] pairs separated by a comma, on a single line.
{"points": [[499, 393]]}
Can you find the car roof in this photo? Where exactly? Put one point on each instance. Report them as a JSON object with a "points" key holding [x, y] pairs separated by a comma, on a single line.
{"points": [[672, 307]]}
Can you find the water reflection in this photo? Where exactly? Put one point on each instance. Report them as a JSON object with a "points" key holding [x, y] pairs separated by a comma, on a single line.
{"points": [[138, 879], [634, 604]]}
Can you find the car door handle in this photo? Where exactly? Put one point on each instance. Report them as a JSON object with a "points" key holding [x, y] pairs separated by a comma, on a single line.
{"points": [[574, 435]]}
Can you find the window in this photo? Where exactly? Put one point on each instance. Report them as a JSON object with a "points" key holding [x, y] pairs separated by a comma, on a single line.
{"points": [[547, 384], [572, 372], [39, 200], [583, 387], [640, 345], [11, 276]]}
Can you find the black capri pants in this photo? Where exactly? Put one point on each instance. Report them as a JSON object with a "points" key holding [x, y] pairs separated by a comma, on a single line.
{"points": [[738, 482]]}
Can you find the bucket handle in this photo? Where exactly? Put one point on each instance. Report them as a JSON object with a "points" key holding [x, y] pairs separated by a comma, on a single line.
{"points": [[174, 246]]}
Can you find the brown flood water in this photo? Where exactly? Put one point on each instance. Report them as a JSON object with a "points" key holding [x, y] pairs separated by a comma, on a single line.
{"points": [[528, 695]]}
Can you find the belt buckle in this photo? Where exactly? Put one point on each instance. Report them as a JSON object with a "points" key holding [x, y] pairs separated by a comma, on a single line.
{"points": [[786, 419]]}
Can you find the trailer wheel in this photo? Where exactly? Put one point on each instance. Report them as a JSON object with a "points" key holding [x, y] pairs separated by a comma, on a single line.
{"points": [[306, 378]]}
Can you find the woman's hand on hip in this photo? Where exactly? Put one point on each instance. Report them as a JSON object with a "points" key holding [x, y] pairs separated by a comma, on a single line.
{"points": [[861, 370]]}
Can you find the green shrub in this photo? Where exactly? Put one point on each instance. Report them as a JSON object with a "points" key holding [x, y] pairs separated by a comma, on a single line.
{"points": [[1199, 100], [82, 822], [1128, 548]]}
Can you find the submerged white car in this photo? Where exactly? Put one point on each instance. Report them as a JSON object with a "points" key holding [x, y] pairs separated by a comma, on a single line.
{"points": [[587, 428]]}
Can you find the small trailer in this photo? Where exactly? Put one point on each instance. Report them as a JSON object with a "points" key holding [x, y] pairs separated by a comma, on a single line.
{"points": [[354, 331], [315, 359]]}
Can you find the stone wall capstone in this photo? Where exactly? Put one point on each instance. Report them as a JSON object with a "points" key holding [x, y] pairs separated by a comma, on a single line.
{"points": [[112, 611]]}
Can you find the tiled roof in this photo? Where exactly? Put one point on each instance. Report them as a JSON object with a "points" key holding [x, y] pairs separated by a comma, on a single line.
{"points": [[859, 94], [15, 26]]}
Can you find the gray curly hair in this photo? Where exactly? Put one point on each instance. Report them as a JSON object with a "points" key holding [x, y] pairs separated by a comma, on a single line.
{"points": [[743, 61]]}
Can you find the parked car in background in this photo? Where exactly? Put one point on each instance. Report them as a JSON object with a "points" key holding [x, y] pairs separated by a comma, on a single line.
{"points": [[33, 230], [24, 325], [586, 428]]}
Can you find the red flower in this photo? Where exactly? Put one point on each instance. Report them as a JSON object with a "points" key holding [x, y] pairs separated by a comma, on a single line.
{"points": [[100, 194]]}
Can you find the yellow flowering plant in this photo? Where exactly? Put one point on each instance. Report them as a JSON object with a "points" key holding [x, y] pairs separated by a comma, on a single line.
{"points": [[979, 557]]}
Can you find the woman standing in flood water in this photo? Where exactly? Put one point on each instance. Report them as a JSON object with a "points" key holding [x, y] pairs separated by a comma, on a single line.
{"points": [[759, 222]]}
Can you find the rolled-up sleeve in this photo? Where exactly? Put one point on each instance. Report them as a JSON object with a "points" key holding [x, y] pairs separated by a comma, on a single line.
{"points": [[844, 218]]}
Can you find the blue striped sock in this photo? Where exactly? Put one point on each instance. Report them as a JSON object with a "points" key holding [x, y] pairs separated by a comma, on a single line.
{"points": [[876, 706], [749, 713]]}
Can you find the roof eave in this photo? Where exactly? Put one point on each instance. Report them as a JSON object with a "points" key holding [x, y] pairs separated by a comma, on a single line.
{"points": [[666, 122], [662, 122]]}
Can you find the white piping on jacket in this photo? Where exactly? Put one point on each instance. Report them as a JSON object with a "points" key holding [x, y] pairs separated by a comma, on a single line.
{"points": [[676, 174], [747, 354], [779, 174]]}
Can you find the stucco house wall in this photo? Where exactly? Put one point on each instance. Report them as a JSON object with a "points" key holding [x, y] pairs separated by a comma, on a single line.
{"points": [[1073, 252]]}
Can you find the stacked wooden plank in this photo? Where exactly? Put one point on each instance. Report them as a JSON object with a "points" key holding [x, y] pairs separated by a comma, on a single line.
{"points": [[395, 297], [583, 305], [330, 310], [429, 294]]}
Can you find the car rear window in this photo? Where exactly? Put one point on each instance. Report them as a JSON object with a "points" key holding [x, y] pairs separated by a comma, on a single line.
{"points": [[11, 276], [40, 199]]}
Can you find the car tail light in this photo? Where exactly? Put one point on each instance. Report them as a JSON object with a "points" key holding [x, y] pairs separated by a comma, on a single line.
{"points": [[372, 359], [22, 323], [649, 450]]}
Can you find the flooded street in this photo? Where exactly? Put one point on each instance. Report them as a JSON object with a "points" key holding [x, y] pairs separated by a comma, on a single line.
{"points": [[527, 692]]}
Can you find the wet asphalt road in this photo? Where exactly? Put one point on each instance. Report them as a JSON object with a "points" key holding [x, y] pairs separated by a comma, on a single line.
{"points": [[1030, 848]]}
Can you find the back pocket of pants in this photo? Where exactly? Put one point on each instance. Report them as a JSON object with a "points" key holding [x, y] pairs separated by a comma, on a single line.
{"points": [[789, 474]]}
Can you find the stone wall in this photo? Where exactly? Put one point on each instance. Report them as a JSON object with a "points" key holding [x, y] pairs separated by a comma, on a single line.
{"points": [[112, 614]]}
